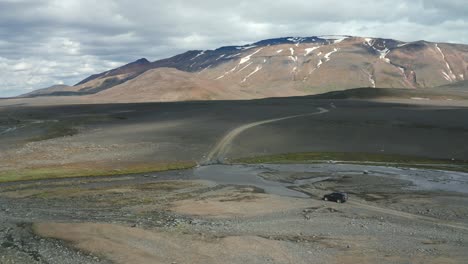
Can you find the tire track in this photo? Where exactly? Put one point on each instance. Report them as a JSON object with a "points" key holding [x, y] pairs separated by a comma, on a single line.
{"points": [[409, 215], [216, 155]]}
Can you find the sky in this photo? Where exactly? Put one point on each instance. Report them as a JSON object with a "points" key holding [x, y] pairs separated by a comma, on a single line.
{"points": [[48, 42]]}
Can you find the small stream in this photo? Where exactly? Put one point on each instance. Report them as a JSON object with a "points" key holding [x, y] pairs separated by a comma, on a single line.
{"points": [[251, 175], [4, 130], [421, 179], [244, 175]]}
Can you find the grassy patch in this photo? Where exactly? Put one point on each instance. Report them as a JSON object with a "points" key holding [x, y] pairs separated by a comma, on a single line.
{"points": [[360, 158], [72, 126], [61, 192], [55, 130], [88, 171], [343, 156], [165, 186], [121, 196]]}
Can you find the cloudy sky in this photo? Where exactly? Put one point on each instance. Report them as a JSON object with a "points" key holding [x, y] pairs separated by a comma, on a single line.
{"points": [[46, 42]]}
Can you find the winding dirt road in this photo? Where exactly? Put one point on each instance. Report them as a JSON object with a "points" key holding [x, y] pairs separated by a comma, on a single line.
{"points": [[217, 154]]}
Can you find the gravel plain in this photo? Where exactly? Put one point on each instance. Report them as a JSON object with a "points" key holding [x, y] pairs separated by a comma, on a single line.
{"points": [[190, 217], [261, 213]]}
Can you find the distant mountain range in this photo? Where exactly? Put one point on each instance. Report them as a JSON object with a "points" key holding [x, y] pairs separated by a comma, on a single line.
{"points": [[288, 66]]}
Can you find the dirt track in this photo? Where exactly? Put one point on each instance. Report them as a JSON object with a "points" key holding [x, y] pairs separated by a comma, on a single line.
{"points": [[433, 220], [217, 154]]}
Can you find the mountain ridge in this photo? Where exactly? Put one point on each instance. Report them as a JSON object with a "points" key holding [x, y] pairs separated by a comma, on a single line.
{"points": [[287, 66]]}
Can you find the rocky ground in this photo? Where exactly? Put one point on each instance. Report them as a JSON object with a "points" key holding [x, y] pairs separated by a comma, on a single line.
{"points": [[229, 213], [179, 217]]}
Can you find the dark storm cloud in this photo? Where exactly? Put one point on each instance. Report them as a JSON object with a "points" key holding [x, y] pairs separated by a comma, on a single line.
{"points": [[44, 42]]}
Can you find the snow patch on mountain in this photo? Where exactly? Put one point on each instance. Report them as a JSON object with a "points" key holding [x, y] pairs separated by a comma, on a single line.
{"points": [[383, 55], [450, 76], [247, 58], [402, 70], [371, 79], [369, 41], [327, 56], [319, 63], [228, 72], [293, 58], [339, 40], [243, 60], [246, 47], [296, 40], [310, 72], [233, 56], [248, 64], [233, 69], [209, 66], [252, 73], [279, 51], [446, 76], [198, 55], [335, 38], [309, 50]]}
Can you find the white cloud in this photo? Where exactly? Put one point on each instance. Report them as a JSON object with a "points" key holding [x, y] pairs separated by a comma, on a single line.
{"points": [[45, 42], [32, 73]]}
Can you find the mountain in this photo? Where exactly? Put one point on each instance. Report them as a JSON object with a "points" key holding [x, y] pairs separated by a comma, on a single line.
{"points": [[97, 82], [279, 67], [134, 68], [52, 90]]}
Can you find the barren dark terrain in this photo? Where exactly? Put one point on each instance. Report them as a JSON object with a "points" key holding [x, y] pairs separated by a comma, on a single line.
{"points": [[186, 131]]}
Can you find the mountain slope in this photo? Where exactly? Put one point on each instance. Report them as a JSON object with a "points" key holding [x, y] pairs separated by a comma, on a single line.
{"points": [[169, 84], [282, 67], [134, 68], [52, 90]]}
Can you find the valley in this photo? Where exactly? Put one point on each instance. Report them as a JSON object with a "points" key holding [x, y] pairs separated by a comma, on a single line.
{"points": [[227, 181], [233, 132]]}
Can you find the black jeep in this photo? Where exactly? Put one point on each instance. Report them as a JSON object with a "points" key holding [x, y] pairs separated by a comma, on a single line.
{"points": [[339, 197]]}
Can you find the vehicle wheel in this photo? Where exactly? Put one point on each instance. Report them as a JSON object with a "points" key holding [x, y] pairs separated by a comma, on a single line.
{"points": [[338, 201], [325, 198]]}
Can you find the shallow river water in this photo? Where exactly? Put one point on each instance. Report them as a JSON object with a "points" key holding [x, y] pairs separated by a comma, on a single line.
{"points": [[421, 179]]}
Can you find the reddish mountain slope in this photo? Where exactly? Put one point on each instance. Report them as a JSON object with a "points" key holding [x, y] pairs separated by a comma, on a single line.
{"points": [[281, 67]]}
